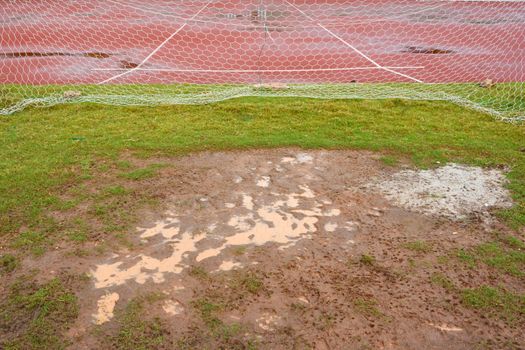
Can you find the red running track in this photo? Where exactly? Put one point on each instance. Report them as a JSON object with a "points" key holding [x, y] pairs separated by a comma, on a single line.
{"points": [[260, 41]]}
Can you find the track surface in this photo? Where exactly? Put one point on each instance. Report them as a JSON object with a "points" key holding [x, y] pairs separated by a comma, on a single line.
{"points": [[260, 41]]}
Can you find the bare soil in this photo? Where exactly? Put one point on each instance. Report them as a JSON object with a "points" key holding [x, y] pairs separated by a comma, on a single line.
{"points": [[296, 250]]}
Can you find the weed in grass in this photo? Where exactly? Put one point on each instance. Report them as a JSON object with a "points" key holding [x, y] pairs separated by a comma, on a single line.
{"points": [[389, 160], [418, 246], [8, 263], [495, 301], [36, 316]]}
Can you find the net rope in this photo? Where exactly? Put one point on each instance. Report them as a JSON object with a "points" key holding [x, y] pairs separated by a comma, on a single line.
{"points": [[161, 52]]}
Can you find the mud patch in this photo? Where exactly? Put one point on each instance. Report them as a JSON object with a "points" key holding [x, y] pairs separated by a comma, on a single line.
{"points": [[99, 55], [454, 191], [426, 50], [293, 247]]}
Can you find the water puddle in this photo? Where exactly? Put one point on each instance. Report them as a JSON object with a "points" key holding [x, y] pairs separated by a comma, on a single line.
{"points": [[277, 218], [105, 306]]}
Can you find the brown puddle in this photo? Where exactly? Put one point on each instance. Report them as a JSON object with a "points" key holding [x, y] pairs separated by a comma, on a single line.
{"points": [[426, 50], [266, 216], [128, 65], [99, 55], [283, 220]]}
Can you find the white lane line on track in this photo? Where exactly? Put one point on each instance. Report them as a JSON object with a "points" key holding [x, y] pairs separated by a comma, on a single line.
{"points": [[257, 70], [352, 47], [157, 48]]}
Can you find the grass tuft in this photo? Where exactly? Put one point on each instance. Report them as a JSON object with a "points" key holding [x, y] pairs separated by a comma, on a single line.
{"points": [[418, 246], [367, 260], [8, 263], [507, 305]]}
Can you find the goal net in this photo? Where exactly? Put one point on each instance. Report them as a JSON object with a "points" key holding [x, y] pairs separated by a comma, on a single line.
{"points": [[131, 52]]}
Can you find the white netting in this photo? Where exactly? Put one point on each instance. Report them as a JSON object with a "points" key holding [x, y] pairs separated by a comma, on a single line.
{"points": [[132, 52]]}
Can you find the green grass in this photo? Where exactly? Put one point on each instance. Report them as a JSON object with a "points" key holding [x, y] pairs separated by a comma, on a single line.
{"points": [[198, 272], [248, 282], [142, 173], [36, 316], [505, 255], [418, 246], [367, 260], [32, 241], [442, 281], [208, 313], [44, 151], [367, 307], [497, 302], [8, 263], [135, 331], [389, 160]]}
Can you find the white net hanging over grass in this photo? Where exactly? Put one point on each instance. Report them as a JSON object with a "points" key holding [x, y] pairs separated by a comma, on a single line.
{"points": [[130, 52]]}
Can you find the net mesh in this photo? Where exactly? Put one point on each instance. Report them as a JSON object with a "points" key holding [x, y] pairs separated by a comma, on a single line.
{"points": [[131, 52]]}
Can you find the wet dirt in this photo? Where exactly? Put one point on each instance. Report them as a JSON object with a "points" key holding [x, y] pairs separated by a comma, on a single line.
{"points": [[427, 50], [299, 221], [99, 55]]}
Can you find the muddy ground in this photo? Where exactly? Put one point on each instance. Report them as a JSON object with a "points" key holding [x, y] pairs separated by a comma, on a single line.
{"points": [[291, 249]]}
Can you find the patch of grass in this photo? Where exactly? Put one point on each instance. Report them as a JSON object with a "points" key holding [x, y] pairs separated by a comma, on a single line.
{"points": [[238, 251], [143, 173], [137, 331], [36, 316], [442, 281], [505, 255], [116, 190], [367, 307], [198, 272], [389, 160], [466, 257], [8, 263], [251, 283], [324, 321], [78, 236], [498, 302], [368, 260], [418, 246], [32, 241]]}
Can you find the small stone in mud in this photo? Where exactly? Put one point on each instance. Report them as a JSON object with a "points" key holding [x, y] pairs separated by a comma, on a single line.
{"points": [[373, 213], [72, 94], [487, 83]]}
